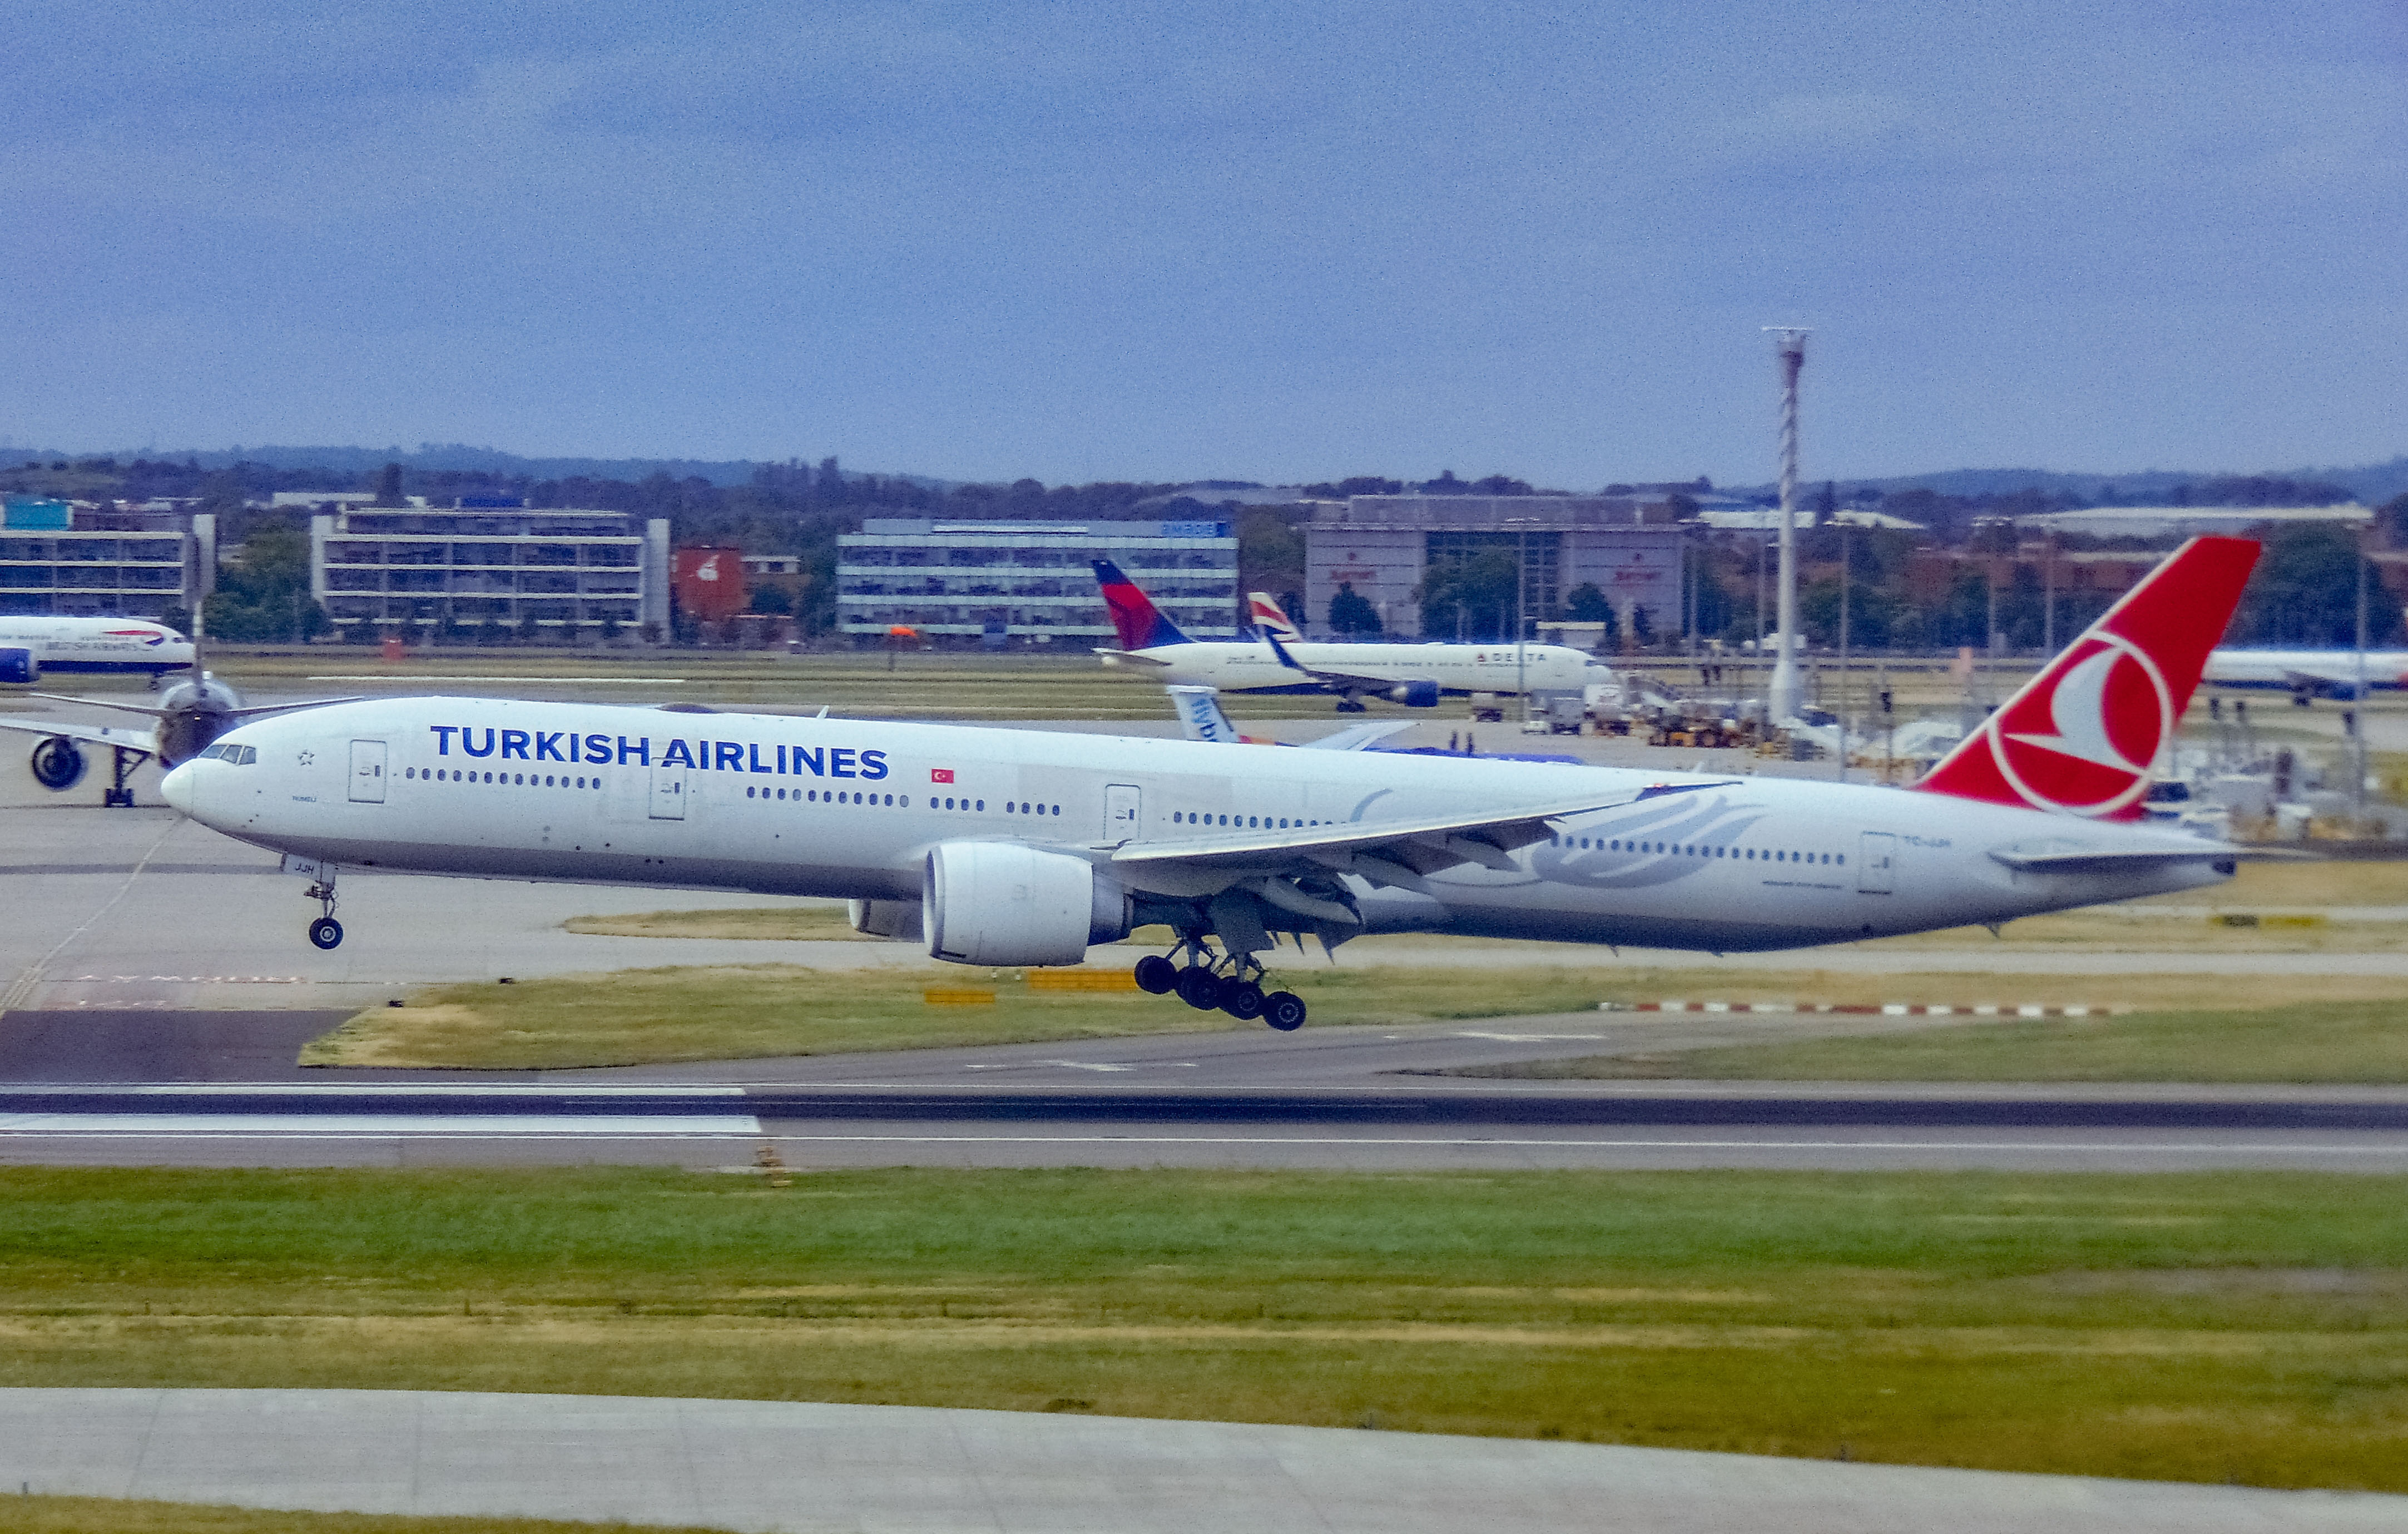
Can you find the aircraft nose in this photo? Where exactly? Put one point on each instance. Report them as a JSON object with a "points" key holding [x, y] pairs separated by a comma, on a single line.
{"points": [[177, 787]]}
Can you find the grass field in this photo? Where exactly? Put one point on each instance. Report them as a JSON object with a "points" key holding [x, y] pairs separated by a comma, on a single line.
{"points": [[752, 1012], [2237, 1325], [2362, 1042], [110, 1515]]}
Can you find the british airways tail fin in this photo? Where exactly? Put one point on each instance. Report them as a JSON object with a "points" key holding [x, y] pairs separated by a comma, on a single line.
{"points": [[1267, 617], [2086, 734], [1139, 624]]}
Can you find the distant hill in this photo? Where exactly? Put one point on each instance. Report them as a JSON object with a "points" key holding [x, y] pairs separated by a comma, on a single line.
{"points": [[457, 456], [2372, 483]]}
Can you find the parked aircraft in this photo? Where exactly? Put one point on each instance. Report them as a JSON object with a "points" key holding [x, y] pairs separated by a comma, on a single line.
{"points": [[30, 646], [2307, 673], [1022, 847], [1414, 675], [1200, 719]]}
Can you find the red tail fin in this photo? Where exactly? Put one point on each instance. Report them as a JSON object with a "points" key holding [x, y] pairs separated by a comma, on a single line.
{"points": [[2084, 736]]}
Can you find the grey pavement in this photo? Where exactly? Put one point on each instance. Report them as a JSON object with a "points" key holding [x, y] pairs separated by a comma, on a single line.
{"points": [[799, 1467]]}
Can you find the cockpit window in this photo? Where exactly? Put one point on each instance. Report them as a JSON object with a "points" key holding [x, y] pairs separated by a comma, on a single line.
{"points": [[233, 755]]}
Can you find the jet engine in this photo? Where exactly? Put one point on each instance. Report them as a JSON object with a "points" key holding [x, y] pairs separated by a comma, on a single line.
{"points": [[1414, 694], [18, 665], [57, 765], [895, 919], [996, 902]]}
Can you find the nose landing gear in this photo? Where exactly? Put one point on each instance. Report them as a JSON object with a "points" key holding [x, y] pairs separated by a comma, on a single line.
{"points": [[327, 932], [1211, 981]]}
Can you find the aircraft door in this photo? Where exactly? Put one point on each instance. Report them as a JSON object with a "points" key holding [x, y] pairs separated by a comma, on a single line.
{"points": [[1124, 812], [1876, 862], [669, 793], [367, 772]]}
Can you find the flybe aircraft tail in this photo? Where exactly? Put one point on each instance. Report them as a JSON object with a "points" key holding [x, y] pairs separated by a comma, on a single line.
{"points": [[1139, 624], [2085, 736], [1266, 616]]}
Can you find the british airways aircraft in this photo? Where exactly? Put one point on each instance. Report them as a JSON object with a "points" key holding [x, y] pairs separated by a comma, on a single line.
{"points": [[1021, 847], [30, 646], [1414, 675]]}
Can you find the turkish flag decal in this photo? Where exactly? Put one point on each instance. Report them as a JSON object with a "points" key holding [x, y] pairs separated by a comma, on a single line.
{"points": [[940, 775]]}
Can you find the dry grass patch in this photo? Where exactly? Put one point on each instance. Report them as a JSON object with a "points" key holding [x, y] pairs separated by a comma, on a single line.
{"points": [[116, 1515], [2336, 1042], [754, 1012]]}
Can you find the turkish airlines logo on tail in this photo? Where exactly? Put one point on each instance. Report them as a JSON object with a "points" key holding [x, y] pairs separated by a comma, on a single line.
{"points": [[2104, 727], [2085, 736]]}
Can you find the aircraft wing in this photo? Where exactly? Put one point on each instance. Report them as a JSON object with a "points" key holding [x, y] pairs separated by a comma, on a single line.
{"points": [[1393, 852], [1356, 736], [2102, 859], [2324, 676], [1343, 679], [89, 734], [222, 714], [1130, 656]]}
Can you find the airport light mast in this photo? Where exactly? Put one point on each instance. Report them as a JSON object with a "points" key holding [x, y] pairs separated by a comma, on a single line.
{"points": [[1781, 696]]}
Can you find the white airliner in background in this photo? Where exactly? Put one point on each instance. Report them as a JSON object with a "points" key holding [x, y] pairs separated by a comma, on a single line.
{"points": [[2309, 673], [1414, 675], [1022, 847], [30, 646]]}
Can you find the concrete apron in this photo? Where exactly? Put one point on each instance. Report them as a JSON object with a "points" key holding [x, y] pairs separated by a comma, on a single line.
{"points": [[785, 1466]]}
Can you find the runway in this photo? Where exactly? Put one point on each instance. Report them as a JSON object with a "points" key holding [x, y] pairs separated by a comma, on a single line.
{"points": [[1354, 1098]]}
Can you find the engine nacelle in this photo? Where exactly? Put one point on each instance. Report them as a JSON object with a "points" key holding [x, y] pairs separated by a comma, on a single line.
{"points": [[58, 765], [1414, 694], [996, 902], [898, 920], [18, 665]]}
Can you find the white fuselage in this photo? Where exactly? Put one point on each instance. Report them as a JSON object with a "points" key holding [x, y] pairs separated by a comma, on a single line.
{"points": [[2291, 669], [851, 808], [98, 644], [1234, 666]]}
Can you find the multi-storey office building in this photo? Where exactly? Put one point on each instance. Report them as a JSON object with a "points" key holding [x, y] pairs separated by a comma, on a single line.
{"points": [[77, 559], [471, 565], [1386, 547], [1030, 581]]}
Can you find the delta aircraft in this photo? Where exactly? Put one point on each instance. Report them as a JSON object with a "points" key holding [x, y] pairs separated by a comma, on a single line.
{"points": [[30, 646], [1414, 675], [2307, 673], [1022, 847]]}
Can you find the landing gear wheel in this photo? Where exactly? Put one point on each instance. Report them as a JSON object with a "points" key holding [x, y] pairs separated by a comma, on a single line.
{"points": [[1283, 1011], [327, 932], [1241, 1000], [1349, 706], [1157, 975], [1200, 988]]}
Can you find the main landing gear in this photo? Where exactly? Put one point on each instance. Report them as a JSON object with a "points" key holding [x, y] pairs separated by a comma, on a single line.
{"points": [[325, 931], [1232, 984]]}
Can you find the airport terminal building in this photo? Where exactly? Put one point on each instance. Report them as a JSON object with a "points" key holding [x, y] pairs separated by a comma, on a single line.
{"points": [[1030, 583], [1385, 546], [503, 562]]}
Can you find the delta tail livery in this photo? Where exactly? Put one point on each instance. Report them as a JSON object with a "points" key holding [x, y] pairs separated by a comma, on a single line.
{"points": [[1415, 674], [1022, 847], [31, 646]]}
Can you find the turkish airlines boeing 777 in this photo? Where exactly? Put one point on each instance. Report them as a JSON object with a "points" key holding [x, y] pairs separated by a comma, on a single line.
{"points": [[1022, 847]]}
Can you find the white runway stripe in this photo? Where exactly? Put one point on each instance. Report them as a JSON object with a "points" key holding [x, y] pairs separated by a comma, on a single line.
{"points": [[376, 1125]]}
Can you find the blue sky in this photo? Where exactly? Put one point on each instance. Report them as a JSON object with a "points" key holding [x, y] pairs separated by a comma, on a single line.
{"points": [[1132, 241]]}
